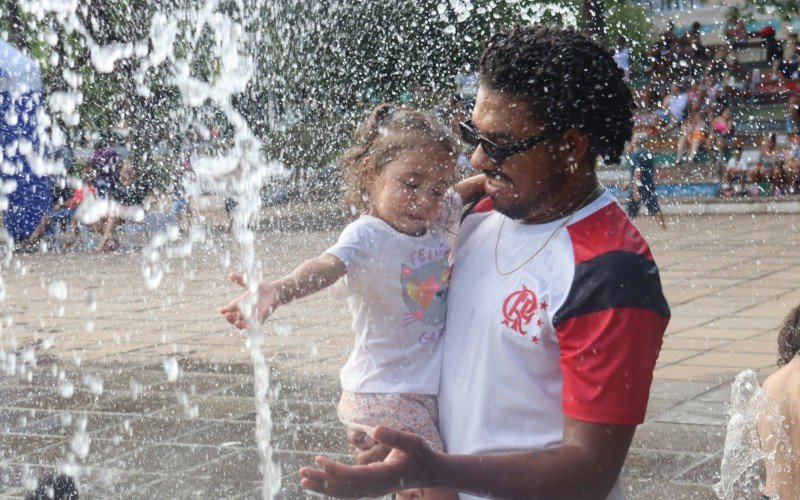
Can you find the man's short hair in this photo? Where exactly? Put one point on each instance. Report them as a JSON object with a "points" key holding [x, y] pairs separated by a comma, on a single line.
{"points": [[568, 80]]}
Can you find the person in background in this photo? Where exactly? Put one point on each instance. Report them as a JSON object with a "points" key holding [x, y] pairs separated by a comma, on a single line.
{"points": [[694, 37], [768, 167], [466, 87], [785, 68], [791, 163], [772, 47], [793, 114], [695, 132], [735, 178], [642, 184], [673, 107], [736, 32], [779, 431], [723, 132], [127, 205], [622, 56]]}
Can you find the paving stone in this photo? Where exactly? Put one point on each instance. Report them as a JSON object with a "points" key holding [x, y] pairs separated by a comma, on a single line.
{"points": [[659, 466], [679, 437], [696, 412]]}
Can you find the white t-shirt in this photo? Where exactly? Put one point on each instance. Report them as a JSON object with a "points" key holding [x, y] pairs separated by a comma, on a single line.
{"points": [[740, 165], [396, 287], [575, 331]]}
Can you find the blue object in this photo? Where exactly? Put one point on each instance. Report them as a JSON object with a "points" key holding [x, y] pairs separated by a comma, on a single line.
{"points": [[20, 99]]}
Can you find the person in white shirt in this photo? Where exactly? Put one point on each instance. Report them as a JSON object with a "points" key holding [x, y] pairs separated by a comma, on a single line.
{"points": [[555, 312], [622, 56], [735, 174], [392, 265]]}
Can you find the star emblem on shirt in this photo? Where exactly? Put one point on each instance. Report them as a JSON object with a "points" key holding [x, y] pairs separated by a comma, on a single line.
{"points": [[539, 322], [543, 306], [535, 339]]}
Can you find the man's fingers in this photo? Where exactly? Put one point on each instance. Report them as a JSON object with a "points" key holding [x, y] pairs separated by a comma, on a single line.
{"points": [[314, 475], [360, 439], [237, 278], [392, 438], [229, 309], [376, 453]]}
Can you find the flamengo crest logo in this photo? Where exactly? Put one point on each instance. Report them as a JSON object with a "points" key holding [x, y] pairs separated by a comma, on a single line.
{"points": [[519, 308]]}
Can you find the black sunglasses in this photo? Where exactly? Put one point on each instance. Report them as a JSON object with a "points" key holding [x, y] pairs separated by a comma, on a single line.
{"points": [[495, 152]]}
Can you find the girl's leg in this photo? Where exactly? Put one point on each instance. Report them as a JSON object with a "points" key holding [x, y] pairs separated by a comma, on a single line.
{"points": [[105, 239], [681, 148], [693, 147]]}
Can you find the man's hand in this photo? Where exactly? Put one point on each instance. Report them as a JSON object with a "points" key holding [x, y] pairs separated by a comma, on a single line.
{"points": [[266, 304], [365, 449], [409, 464]]}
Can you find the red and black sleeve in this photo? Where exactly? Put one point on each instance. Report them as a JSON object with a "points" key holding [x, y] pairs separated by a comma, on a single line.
{"points": [[611, 326]]}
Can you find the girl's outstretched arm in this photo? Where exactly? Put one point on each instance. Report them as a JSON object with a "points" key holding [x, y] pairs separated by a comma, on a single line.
{"points": [[471, 188], [311, 276]]}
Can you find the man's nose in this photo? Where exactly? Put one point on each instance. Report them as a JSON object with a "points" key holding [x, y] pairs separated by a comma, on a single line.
{"points": [[481, 162]]}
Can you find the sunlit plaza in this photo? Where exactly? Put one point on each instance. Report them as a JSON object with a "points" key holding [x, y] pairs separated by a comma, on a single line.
{"points": [[443, 177], [144, 393]]}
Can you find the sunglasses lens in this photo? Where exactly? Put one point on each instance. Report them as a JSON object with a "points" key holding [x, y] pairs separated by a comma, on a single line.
{"points": [[492, 152]]}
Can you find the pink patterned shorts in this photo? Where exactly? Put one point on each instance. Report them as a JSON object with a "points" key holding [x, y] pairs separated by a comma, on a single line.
{"points": [[417, 413]]}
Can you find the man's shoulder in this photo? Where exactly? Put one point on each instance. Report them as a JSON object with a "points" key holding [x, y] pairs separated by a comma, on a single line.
{"points": [[606, 230]]}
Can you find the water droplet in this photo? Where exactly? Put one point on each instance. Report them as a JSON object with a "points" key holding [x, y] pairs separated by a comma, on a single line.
{"points": [[171, 368], [58, 290], [94, 383], [90, 299], [450, 29], [282, 328], [66, 388]]}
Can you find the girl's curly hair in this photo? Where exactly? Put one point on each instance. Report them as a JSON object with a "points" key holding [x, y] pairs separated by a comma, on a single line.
{"points": [[568, 80], [388, 131]]}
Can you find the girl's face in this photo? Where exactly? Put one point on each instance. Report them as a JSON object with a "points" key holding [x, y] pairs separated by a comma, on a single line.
{"points": [[409, 192]]}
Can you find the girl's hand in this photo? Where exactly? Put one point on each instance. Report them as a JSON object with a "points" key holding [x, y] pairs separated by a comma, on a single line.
{"points": [[267, 302]]}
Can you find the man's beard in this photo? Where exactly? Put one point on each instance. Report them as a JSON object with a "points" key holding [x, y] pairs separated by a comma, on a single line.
{"points": [[523, 209]]}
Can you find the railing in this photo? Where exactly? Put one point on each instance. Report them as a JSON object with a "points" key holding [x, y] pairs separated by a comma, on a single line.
{"points": [[671, 5]]}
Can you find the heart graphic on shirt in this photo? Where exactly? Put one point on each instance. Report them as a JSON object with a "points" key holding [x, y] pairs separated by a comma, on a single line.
{"points": [[423, 293]]}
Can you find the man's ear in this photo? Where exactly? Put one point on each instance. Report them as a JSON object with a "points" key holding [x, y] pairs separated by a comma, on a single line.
{"points": [[575, 146]]}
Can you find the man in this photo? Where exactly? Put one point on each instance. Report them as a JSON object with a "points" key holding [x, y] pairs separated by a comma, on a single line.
{"points": [[642, 184], [556, 313]]}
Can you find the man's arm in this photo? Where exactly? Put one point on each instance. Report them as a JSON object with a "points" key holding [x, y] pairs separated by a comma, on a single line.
{"points": [[585, 466]]}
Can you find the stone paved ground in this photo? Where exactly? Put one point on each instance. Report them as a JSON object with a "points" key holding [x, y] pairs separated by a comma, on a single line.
{"points": [[729, 279]]}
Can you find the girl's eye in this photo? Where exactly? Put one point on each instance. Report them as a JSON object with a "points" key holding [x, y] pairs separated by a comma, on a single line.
{"points": [[437, 193], [412, 185]]}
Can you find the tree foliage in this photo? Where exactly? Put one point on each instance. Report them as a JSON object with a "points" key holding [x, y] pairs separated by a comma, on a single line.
{"points": [[319, 64]]}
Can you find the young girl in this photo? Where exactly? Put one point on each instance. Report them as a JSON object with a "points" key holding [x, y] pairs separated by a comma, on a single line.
{"points": [[394, 259], [783, 389]]}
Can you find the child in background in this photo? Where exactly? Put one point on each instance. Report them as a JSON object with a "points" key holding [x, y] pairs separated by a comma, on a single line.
{"points": [[783, 389], [394, 259]]}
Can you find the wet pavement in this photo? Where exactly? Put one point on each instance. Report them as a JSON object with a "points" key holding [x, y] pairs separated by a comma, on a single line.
{"points": [[98, 401]]}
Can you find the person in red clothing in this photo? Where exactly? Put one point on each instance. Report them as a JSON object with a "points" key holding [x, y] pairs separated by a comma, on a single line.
{"points": [[63, 211], [546, 371]]}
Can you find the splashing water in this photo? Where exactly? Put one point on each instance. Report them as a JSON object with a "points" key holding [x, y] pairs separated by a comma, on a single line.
{"points": [[740, 474], [238, 41]]}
